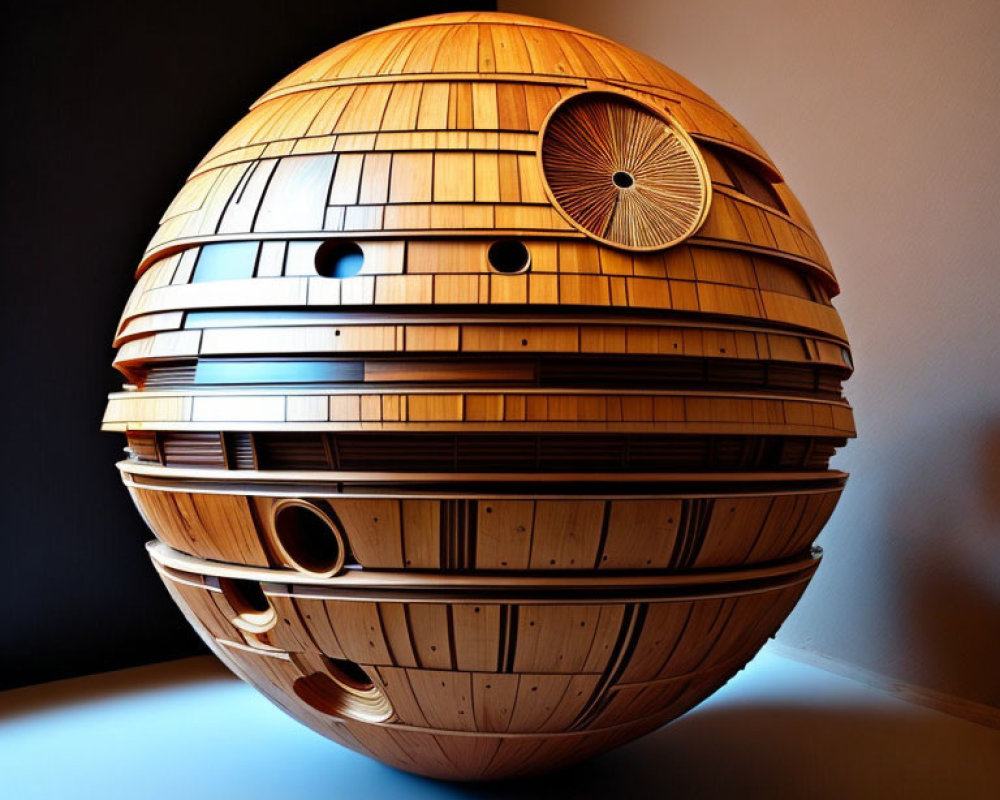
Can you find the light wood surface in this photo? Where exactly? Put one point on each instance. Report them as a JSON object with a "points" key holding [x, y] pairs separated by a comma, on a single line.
{"points": [[483, 382], [514, 536], [429, 683]]}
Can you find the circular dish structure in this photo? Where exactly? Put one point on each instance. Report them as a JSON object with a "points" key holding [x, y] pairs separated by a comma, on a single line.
{"points": [[481, 387], [622, 172]]}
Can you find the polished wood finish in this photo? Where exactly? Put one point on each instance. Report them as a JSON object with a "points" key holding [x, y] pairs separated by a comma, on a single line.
{"points": [[483, 382], [519, 535], [623, 172], [438, 680]]}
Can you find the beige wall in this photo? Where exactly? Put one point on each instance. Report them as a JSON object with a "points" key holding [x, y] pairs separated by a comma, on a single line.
{"points": [[885, 119]]}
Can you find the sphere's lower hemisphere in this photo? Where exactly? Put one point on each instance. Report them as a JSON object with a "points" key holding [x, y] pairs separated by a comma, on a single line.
{"points": [[563, 667]]}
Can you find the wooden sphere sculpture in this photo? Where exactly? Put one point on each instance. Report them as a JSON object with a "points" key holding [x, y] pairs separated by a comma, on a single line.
{"points": [[481, 387]]}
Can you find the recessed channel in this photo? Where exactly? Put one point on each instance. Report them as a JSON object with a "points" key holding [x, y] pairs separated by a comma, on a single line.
{"points": [[307, 538], [339, 259], [254, 612]]}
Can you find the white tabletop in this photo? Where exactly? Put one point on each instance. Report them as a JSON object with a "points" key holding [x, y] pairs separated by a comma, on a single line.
{"points": [[188, 730]]}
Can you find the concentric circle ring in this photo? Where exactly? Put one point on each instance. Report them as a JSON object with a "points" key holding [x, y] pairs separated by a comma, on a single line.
{"points": [[623, 172]]}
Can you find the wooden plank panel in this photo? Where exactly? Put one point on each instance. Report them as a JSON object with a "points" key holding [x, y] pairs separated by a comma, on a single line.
{"points": [[546, 702], [433, 114], [476, 635], [487, 177], [554, 639], [504, 534], [432, 633], [346, 180], [445, 698], [295, 196], [375, 178], [365, 109], [201, 608], [734, 524], [404, 701], [454, 178], [396, 626], [412, 178], [290, 633], [567, 534], [494, 696], [421, 534], [641, 534], [358, 629], [661, 634], [402, 107], [373, 529]]}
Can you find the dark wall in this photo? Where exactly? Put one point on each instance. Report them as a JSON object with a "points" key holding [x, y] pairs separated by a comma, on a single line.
{"points": [[107, 107]]}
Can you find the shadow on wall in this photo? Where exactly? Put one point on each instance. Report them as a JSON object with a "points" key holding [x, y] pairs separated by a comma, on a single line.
{"points": [[947, 527], [989, 486]]}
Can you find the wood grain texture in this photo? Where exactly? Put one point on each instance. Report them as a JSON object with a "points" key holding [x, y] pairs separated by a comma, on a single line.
{"points": [[474, 674], [481, 388], [526, 534]]}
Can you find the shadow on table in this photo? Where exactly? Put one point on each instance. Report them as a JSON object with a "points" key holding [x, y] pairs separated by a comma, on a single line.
{"points": [[783, 751], [851, 746]]}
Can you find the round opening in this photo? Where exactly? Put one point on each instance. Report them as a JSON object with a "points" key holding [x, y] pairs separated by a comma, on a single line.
{"points": [[308, 538], [339, 259], [349, 673], [345, 690], [622, 180], [254, 612], [509, 256]]}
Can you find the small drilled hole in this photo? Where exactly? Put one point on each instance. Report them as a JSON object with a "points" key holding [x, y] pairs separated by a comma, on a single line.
{"points": [[509, 256], [339, 259], [623, 180], [309, 540]]}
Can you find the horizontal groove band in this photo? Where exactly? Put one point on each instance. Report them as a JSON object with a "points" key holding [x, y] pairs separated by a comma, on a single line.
{"points": [[472, 589]]}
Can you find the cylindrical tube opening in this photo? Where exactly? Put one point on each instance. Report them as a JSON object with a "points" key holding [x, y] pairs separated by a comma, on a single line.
{"points": [[345, 690], [254, 612], [307, 538], [349, 674]]}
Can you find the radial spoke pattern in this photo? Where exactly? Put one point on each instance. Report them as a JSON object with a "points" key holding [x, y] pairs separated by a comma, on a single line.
{"points": [[595, 137]]}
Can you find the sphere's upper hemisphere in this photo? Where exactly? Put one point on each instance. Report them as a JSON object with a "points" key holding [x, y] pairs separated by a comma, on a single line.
{"points": [[636, 219], [430, 129], [506, 46]]}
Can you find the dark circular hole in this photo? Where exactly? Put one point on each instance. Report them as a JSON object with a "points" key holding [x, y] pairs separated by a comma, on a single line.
{"points": [[509, 256], [307, 538], [622, 179], [343, 690], [246, 597], [349, 673], [339, 259]]}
